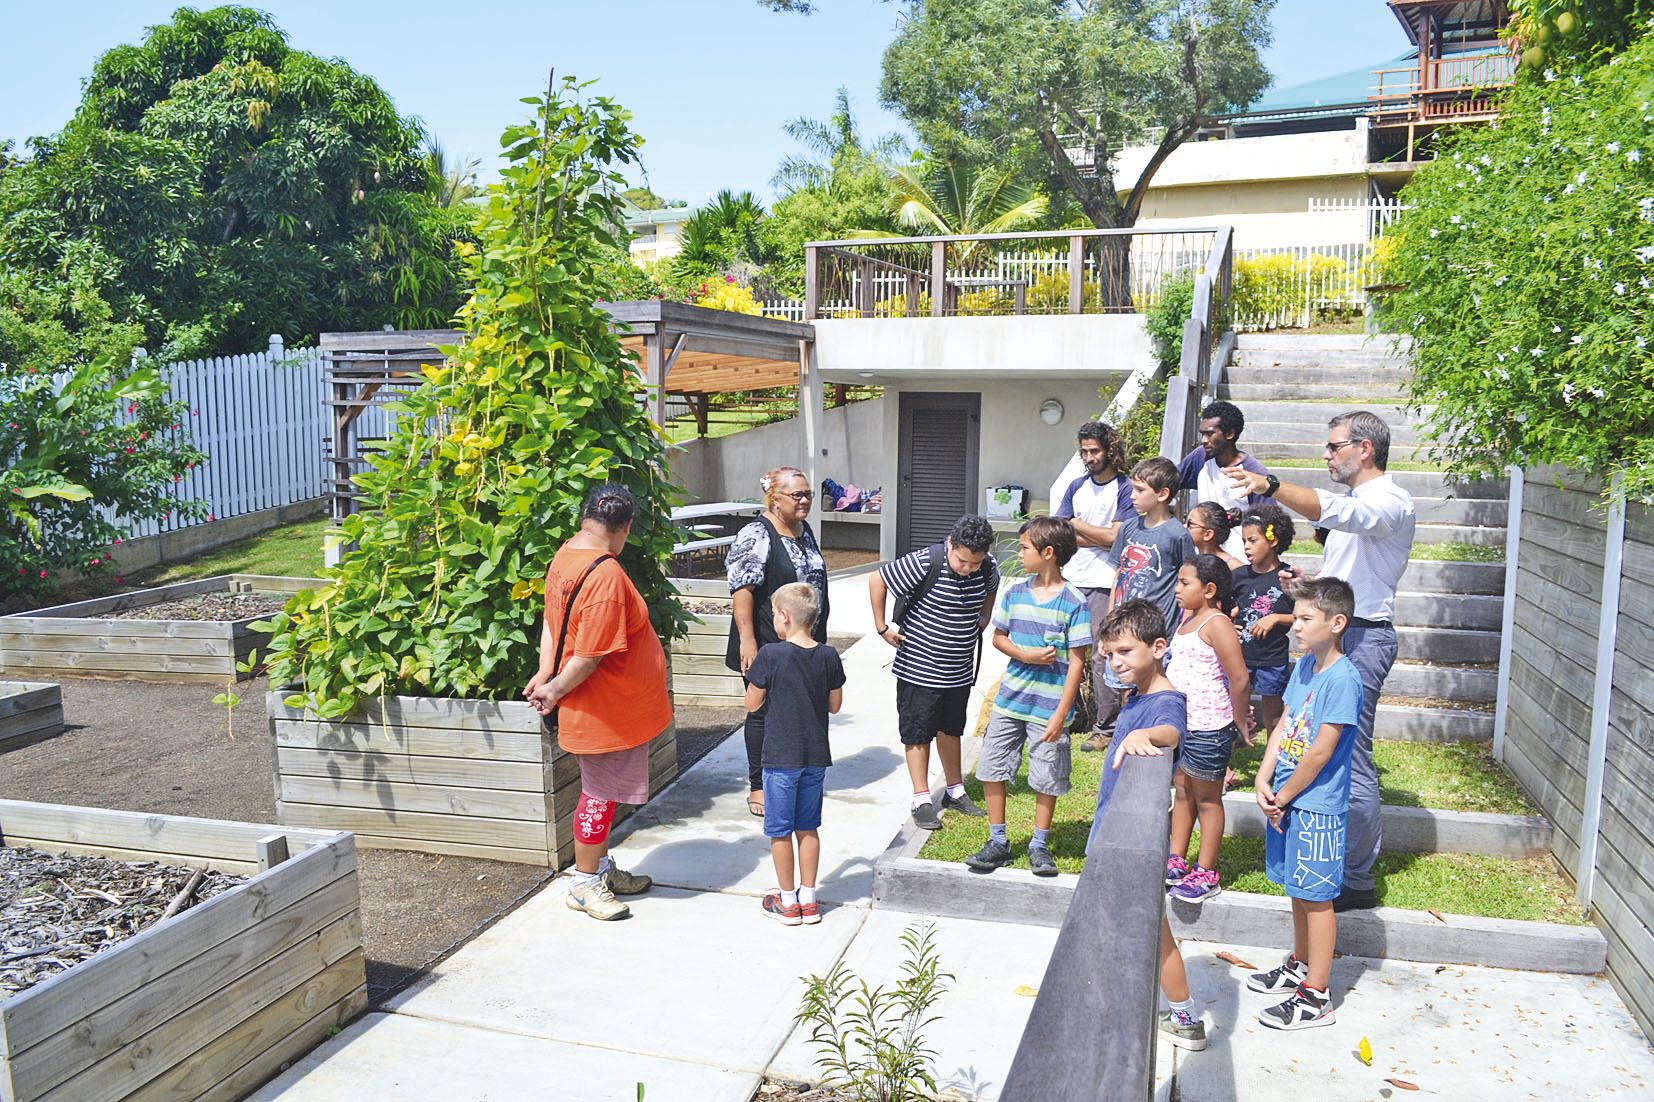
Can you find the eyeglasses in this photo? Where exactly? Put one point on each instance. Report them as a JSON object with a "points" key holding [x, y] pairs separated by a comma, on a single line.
{"points": [[800, 495], [1334, 446]]}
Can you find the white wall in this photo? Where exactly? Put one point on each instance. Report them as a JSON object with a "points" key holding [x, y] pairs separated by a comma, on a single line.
{"points": [[1235, 160], [727, 468], [897, 351]]}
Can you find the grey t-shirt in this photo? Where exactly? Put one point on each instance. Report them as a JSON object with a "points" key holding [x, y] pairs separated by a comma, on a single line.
{"points": [[1148, 560]]}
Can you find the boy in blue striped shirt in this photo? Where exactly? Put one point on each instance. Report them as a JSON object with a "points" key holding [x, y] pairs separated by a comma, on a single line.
{"points": [[1043, 626]]}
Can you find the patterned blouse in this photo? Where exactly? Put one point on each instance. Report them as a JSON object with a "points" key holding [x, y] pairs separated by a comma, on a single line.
{"points": [[751, 551]]}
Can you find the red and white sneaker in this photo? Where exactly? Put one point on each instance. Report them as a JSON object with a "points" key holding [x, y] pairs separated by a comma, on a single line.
{"points": [[811, 912], [788, 914]]}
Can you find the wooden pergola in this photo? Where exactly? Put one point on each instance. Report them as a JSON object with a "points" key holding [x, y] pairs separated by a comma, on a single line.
{"points": [[680, 349]]}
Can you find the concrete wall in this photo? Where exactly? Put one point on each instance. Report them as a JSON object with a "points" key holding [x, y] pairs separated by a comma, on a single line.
{"points": [[1243, 160], [896, 351], [727, 468]]}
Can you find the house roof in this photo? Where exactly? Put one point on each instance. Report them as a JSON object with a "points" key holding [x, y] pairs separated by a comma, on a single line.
{"points": [[1347, 93]]}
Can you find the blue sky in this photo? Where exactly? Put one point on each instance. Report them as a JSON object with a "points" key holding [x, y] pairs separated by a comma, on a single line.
{"points": [[710, 84]]}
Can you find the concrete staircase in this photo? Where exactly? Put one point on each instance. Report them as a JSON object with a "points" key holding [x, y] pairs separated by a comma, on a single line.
{"points": [[1447, 613]]}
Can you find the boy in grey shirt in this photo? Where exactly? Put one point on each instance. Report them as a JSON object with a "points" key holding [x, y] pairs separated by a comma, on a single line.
{"points": [[1152, 546]]}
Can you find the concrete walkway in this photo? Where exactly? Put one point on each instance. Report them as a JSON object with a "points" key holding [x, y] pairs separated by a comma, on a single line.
{"points": [[694, 996]]}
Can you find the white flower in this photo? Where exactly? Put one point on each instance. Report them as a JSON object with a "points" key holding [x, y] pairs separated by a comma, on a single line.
{"points": [[1537, 352], [1435, 232], [1645, 254], [1550, 75], [1556, 328], [1619, 288], [1581, 177], [1569, 190], [1612, 147], [1568, 393], [1578, 338], [1501, 356], [1633, 155], [1455, 220], [1597, 392], [1642, 342]]}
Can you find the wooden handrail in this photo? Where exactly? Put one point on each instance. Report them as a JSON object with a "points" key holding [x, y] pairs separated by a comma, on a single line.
{"points": [[1034, 235], [1198, 371]]}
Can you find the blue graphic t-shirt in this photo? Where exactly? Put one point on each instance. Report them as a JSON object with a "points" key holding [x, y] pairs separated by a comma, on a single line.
{"points": [[1311, 700]]}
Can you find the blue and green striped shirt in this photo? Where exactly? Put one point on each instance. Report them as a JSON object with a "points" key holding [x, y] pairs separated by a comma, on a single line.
{"points": [[1033, 692]]}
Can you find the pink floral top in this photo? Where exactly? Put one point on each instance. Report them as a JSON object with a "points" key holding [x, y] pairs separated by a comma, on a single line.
{"points": [[1196, 672]]}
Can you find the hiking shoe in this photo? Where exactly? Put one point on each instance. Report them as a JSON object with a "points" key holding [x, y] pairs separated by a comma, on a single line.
{"points": [[1183, 1031], [1286, 977], [810, 912], [1096, 744], [1197, 886], [788, 914], [622, 882], [1355, 899], [924, 817], [1176, 869], [596, 899], [994, 855], [1304, 1010], [962, 804], [1040, 862]]}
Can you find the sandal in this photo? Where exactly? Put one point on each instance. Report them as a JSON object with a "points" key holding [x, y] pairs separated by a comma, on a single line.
{"points": [[756, 806]]}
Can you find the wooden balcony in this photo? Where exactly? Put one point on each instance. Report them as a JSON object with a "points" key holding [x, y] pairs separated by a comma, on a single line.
{"points": [[1456, 88]]}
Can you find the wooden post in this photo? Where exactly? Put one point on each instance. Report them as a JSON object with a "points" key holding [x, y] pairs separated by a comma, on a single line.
{"points": [[272, 851], [864, 288], [912, 296], [841, 394], [809, 410], [703, 410], [812, 282], [1585, 873], [1021, 298], [938, 278], [1076, 274], [1507, 628], [654, 378]]}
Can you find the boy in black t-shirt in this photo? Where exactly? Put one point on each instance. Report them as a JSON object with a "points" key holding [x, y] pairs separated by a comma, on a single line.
{"points": [[803, 681]]}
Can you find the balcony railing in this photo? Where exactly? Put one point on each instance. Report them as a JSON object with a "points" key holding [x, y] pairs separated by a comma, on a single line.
{"points": [[1444, 88], [1055, 272]]}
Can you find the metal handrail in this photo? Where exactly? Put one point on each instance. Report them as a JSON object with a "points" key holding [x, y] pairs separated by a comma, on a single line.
{"points": [[1199, 372], [951, 239]]}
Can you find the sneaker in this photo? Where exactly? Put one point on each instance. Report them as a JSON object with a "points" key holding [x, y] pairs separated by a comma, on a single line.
{"points": [[1197, 886], [596, 899], [924, 817], [1096, 744], [1355, 899], [622, 882], [1176, 869], [994, 855], [1302, 1011], [1040, 862], [1190, 1034], [788, 914], [810, 912], [1287, 977], [962, 804]]}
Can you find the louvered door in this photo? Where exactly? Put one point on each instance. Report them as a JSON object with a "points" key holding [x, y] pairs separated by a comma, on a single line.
{"points": [[937, 465]]}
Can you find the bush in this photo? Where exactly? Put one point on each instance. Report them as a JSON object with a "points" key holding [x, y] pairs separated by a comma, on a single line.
{"points": [[726, 294], [1279, 289], [484, 478], [1528, 264]]}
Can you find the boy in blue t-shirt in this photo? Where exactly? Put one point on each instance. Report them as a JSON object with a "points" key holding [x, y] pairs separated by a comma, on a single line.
{"points": [[1042, 624], [1303, 787]]}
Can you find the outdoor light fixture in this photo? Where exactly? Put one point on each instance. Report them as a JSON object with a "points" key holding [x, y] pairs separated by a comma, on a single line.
{"points": [[1050, 411], [865, 374]]}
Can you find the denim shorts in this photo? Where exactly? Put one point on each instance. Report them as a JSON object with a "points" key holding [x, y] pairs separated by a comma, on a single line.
{"points": [[1269, 680], [1049, 763], [1306, 857], [792, 799], [1205, 755]]}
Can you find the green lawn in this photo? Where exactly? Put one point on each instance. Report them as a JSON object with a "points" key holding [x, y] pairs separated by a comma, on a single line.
{"points": [[294, 551], [1449, 776], [1422, 552], [1411, 773]]}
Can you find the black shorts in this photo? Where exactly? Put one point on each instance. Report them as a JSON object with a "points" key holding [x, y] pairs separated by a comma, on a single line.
{"points": [[922, 712]]}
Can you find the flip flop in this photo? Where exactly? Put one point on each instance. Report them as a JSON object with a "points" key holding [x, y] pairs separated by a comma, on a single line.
{"points": [[756, 807]]}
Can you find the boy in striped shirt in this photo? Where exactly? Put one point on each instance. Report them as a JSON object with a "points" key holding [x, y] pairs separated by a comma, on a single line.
{"points": [[1043, 626]]}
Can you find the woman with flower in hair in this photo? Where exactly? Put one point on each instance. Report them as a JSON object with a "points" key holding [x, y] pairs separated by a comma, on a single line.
{"points": [[772, 551]]}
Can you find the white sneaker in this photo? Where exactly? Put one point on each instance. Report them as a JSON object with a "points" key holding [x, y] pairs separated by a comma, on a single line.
{"points": [[596, 899]]}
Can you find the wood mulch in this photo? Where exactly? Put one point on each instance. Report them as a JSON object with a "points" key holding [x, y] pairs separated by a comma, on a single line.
{"points": [[791, 1092], [56, 911], [208, 607]]}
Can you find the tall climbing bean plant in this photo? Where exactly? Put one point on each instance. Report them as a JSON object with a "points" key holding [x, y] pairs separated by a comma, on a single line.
{"points": [[483, 480]]}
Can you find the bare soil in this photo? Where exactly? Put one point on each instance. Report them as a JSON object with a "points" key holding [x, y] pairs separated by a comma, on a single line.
{"points": [[208, 606]]}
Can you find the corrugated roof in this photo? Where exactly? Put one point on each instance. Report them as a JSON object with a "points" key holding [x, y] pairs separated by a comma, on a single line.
{"points": [[1342, 89]]}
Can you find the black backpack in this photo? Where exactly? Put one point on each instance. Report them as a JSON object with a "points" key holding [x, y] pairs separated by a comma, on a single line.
{"points": [[938, 553]]}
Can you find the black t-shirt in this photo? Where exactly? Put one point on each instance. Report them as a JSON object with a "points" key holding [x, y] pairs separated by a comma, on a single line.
{"points": [[797, 680], [1256, 596]]}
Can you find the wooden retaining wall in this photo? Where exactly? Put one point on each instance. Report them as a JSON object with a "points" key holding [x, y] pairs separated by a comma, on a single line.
{"points": [[206, 1005], [77, 640], [699, 677], [467, 777], [1547, 745], [29, 712]]}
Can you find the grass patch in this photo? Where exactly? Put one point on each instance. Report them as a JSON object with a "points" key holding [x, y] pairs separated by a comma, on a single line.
{"points": [[1439, 775], [1278, 464], [293, 551], [1451, 551]]}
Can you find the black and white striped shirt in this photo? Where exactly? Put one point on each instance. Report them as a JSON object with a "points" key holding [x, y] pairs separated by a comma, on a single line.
{"points": [[942, 627]]}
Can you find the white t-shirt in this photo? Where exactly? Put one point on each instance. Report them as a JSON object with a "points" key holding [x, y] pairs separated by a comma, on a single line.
{"points": [[1100, 505], [1371, 536]]}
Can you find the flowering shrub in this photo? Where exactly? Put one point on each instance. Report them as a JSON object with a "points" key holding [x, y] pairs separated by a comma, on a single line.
{"points": [[1280, 289], [726, 294], [1528, 264]]}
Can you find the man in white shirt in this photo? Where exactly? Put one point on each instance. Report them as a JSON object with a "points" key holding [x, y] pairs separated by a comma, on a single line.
{"points": [[1202, 470], [1370, 536], [1096, 503]]}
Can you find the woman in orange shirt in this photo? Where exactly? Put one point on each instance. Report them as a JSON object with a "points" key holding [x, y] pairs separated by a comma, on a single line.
{"points": [[605, 681]]}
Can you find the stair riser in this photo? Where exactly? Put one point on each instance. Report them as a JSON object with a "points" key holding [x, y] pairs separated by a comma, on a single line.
{"points": [[1431, 724], [1418, 483], [1446, 645], [1468, 686], [1449, 610], [1331, 362], [1378, 378], [1266, 437], [1454, 533], [1274, 448], [1259, 414], [1355, 397], [1387, 343], [1422, 577]]}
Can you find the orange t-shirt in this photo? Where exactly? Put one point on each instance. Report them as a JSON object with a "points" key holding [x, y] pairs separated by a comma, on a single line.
{"points": [[624, 702]]}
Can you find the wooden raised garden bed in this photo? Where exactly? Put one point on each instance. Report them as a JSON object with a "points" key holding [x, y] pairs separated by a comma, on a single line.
{"points": [[699, 677], [94, 639], [29, 711], [208, 1003], [473, 778]]}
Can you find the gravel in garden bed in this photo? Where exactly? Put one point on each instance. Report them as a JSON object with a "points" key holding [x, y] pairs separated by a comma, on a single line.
{"points": [[208, 607], [56, 911], [705, 608]]}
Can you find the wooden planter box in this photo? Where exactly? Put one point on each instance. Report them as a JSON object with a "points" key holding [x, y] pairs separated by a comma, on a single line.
{"points": [[209, 1003], [473, 778], [75, 640], [699, 677], [29, 711]]}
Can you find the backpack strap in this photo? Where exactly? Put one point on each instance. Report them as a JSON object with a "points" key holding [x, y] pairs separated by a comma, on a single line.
{"points": [[568, 610]]}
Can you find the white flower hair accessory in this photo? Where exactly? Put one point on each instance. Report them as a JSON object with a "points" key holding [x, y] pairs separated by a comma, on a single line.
{"points": [[765, 483]]}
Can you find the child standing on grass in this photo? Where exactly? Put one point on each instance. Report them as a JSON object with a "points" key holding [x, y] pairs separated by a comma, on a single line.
{"points": [[1209, 528], [1152, 546], [803, 681], [1152, 720], [1263, 611], [1043, 626], [1303, 787], [1207, 666]]}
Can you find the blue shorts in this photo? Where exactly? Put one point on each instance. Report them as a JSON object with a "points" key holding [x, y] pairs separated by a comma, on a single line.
{"points": [[1307, 859], [792, 799], [1269, 680], [1204, 755]]}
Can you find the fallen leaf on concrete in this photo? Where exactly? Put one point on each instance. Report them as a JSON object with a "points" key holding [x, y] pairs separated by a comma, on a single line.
{"points": [[1365, 1051], [1402, 1084], [1438, 916], [1236, 961], [1025, 990]]}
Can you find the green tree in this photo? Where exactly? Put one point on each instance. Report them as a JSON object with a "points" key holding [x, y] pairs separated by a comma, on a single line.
{"points": [[218, 185], [834, 149], [1553, 32], [454, 182], [723, 238], [953, 196], [484, 477]]}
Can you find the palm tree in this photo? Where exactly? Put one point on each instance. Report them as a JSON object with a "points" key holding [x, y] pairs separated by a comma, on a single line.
{"points": [[945, 197], [722, 235], [451, 185], [836, 144]]}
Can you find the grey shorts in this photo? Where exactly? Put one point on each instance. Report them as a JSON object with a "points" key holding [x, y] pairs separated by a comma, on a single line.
{"points": [[1049, 763]]}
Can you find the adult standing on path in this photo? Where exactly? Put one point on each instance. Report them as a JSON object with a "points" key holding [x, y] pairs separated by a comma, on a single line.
{"points": [[602, 676], [1369, 539], [1096, 503], [1203, 470], [767, 554], [945, 597]]}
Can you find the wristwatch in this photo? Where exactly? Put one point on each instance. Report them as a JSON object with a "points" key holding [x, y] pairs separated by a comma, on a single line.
{"points": [[1270, 485]]}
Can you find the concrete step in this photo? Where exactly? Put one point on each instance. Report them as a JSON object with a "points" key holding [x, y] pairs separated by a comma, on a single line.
{"points": [[1424, 576], [1414, 723], [1323, 342], [1311, 445], [1259, 414], [1312, 429], [1470, 612], [1351, 397], [1375, 378], [1373, 364], [1466, 684], [1418, 483], [1446, 645], [1423, 829], [1479, 536]]}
